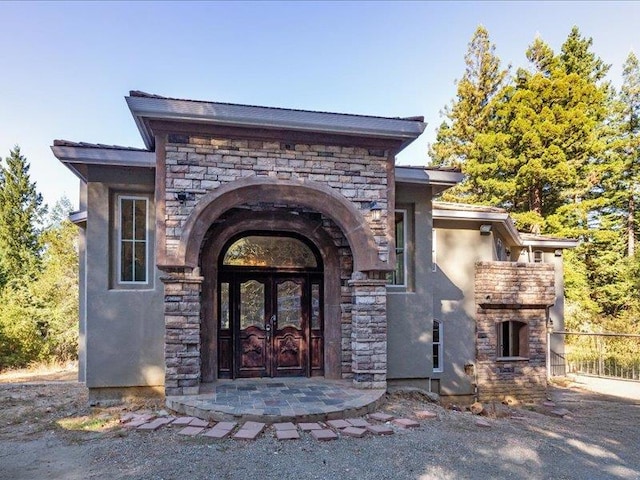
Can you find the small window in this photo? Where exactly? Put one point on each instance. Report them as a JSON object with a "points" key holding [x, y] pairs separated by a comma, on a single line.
{"points": [[133, 239], [537, 256], [437, 346], [499, 250], [399, 275], [513, 339]]}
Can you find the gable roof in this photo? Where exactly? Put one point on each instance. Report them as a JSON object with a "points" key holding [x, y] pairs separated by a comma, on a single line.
{"points": [[145, 107]]}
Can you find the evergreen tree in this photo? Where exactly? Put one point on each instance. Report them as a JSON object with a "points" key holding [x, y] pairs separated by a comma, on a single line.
{"points": [[627, 193], [21, 210], [461, 139]]}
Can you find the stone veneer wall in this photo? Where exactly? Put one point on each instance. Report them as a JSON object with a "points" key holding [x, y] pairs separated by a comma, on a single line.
{"points": [[199, 164], [519, 292]]}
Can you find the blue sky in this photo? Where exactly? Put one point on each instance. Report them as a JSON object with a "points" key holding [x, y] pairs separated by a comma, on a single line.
{"points": [[65, 67]]}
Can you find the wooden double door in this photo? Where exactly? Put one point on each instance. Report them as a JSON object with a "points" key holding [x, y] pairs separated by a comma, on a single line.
{"points": [[270, 324]]}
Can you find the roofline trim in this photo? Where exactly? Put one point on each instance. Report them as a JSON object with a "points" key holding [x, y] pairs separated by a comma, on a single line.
{"points": [[501, 218], [143, 108]]}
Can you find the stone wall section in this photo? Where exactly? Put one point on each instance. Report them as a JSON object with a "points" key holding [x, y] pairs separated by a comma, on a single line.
{"points": [[182, 332], [510, 291], [197, 165], [369, 331]]}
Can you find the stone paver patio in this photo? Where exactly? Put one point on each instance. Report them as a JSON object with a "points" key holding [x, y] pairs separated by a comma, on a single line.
{"points": [[277, 400]]}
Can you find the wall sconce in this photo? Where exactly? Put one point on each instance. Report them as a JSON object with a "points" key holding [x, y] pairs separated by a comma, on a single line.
{"points": [[485, 229], [557, 253], [375, 210], [469, 369], [183, 196]]}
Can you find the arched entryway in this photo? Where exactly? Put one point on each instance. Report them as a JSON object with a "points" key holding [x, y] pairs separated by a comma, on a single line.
{"points": [[269, 317], [219, 347]]}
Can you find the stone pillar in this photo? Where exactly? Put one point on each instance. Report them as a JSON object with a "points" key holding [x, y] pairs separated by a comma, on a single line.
{"points": [[182, 331], [369, 330]]}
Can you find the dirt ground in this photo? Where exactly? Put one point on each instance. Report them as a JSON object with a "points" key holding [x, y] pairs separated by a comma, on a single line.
{"points": [[47, 431]]}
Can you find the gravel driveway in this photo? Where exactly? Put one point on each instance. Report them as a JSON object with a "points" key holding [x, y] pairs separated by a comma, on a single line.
{"points": [[600, 439]]}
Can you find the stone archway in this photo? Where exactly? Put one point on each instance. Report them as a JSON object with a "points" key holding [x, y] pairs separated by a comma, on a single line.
{"points": [[308, 194], [362, 298]]}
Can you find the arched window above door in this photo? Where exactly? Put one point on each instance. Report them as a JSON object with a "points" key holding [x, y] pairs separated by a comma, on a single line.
{"points": [[270, 251]]}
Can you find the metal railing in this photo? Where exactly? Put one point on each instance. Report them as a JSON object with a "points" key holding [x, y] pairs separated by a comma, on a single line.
{"points": [[610, 355]]}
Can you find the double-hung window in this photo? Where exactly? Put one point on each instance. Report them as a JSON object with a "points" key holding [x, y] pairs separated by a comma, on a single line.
{"points": [[132, 239]]}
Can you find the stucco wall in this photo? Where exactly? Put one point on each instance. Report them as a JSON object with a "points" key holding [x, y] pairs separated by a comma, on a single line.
{"points": [[410, 309], [124, 344], [457, 251]]}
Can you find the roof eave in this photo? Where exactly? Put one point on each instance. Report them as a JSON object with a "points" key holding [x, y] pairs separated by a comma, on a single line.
{"points": [[77, 159], [503, 219], [551, 243], [145, 108], [439, 180]]}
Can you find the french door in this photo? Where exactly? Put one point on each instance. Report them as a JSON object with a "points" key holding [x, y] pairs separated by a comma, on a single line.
{"points": [[270, 325]]}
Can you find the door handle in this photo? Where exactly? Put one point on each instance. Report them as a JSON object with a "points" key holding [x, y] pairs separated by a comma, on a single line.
{"points": [[273, 321]]}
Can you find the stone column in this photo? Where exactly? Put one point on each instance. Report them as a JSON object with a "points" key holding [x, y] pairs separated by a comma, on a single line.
{"points": [[369, 330], [182, 331]]}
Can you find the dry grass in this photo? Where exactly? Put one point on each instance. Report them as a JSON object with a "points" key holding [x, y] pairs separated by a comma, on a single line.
{"points": [[39, 372]]}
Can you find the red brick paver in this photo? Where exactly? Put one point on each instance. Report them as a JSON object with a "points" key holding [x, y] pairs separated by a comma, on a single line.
{"points": [[191, 431], [324, 435], [287, 435], [338, 423], [197, 422], [380, 429], [183, 421], [284, 426], [405, 423], [246, 434], [381, 417], [305, 427], [221, 430], [249, 431], [355, 432], [358, 422]]}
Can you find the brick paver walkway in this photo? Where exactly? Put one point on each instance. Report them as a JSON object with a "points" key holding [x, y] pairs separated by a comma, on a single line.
{"points": [[250, 430]]}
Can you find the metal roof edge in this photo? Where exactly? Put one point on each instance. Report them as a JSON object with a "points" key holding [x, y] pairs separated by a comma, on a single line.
{"points": [[551, 242], [407, 174]]}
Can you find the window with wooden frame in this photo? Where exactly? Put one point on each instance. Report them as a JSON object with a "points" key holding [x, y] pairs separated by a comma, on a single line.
{"points": [[513, 339]]}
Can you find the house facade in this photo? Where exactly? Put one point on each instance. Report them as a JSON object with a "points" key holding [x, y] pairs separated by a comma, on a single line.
{"points": [[248, 241]]}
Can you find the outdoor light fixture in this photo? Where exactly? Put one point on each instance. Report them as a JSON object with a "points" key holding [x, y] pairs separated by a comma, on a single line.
{"points": [[485, 229], [375, 210], [183, 196]]}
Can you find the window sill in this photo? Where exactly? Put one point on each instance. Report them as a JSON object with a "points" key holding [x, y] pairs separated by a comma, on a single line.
{"points": [[512, 359]]}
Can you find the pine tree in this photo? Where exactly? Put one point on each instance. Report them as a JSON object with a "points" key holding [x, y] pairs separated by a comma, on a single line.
{"points": [[629, 148], [21, 210], [551, 116], [461, 139]]}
